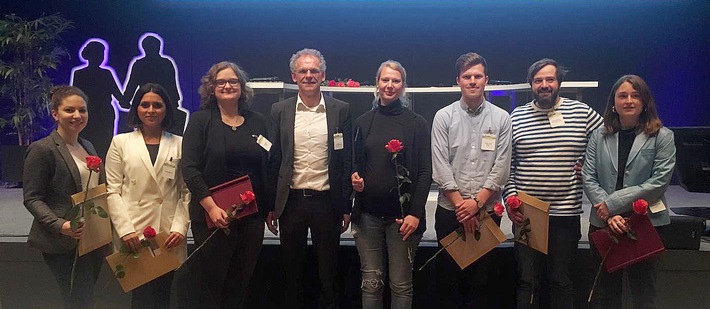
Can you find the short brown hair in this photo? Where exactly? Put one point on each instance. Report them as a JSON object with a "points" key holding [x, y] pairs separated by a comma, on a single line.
{"points": [[206, 90], [61, 92], [468, 60]]}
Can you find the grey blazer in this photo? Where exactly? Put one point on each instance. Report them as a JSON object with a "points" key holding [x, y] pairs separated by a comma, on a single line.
{"points": [[646, 174], [50, 177], [283, 117]]}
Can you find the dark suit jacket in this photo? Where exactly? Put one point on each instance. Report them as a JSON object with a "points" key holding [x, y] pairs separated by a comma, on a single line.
{"points": [[50, 178], [283, 116]]}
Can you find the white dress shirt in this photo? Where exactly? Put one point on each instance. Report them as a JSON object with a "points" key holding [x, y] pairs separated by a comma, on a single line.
{"points": [[310, 149]]}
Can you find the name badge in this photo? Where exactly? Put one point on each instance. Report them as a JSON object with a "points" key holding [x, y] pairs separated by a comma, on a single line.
{"points": [[488, 142], [169, 168], [263, 142], [657, 207], [338, 141], [556, 119]]}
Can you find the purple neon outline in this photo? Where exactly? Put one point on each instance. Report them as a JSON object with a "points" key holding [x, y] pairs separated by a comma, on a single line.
{"points": [[114, 103], [160, 52]]}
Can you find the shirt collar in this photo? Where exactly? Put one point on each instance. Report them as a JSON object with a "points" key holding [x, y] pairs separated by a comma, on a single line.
{"points": [[320, 108], [472, 112]]}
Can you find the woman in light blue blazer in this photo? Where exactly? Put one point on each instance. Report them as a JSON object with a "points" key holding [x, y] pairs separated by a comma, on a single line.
{"points": [[631, 157]]}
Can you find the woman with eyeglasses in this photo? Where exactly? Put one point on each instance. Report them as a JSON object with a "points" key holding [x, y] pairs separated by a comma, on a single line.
{"points": [[219, 145], [631, 157]]}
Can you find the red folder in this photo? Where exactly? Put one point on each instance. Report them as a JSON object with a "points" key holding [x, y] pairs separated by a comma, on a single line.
{"points": [[628, 251], [227, 194]]}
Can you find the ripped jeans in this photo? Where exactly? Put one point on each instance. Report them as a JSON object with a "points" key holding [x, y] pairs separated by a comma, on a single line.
{"points": [[378, 239]]}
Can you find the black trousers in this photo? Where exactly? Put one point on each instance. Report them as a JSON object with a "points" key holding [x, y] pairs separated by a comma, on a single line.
{"points": [[558, 265], [219, 275], [317, 214], [86, 272], [154, 294], [641, 276], [457, 288]]}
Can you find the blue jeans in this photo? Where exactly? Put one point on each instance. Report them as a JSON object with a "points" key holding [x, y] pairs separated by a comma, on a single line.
{"points": [[378, 238], [563, 239]]}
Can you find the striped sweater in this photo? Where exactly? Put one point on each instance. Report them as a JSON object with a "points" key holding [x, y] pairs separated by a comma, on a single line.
{"points": [[544, 157]]}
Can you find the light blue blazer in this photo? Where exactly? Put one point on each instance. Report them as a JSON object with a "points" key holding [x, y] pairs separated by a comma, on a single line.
{"points": [[646, 174]]}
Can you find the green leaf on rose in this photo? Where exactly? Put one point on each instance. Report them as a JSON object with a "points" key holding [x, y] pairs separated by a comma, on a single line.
{"points": [[73, 213], [101, 212], [477, 235], [120, 274], [404, 198]]}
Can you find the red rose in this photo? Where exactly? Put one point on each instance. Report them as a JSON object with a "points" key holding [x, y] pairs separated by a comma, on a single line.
{"points": [[513, 202], [247, 197], [351, 83], [640, 206], [357, 84], [394, 146], [93, 163], [149, 232], [341, 84], [332, 83], [498, 209]]}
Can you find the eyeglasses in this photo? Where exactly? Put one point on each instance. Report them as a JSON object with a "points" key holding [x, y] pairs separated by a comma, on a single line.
{"points": [[223, 82]]}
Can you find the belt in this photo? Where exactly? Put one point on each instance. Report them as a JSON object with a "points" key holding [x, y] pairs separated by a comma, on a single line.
{"points": [[308, 193]]}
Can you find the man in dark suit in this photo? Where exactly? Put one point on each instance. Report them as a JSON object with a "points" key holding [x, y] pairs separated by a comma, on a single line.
{"points": [[310, 170]]}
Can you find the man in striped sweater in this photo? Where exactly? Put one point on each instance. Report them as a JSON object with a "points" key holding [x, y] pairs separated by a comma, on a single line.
{"points": [[550, 135]]}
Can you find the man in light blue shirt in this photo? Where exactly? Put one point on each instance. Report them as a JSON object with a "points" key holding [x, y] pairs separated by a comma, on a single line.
{"points": [[470, 144]]}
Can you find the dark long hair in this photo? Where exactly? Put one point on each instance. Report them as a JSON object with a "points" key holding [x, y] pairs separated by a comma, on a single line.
{"points": [[135, 121], [649, 122]]}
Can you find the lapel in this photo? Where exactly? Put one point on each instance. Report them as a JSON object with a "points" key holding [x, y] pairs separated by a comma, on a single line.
{"points": [[612, 148], [136, 143], [639, 141], [289, 122], [331, 118], [164, 152], [68, 159]]}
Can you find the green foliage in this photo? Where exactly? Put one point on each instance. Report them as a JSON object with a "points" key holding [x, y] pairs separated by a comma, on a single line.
{"points": [[29, 49]]}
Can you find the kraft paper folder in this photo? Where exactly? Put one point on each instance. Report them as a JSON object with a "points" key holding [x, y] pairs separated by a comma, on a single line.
{"points": [[467, 252], [146, 267], [538, 212], [227, 194], [628, 251], [97, 230]]}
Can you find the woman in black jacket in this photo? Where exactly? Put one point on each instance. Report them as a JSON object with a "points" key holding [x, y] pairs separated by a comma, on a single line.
{"points": [[220, 144], [392, 185]]}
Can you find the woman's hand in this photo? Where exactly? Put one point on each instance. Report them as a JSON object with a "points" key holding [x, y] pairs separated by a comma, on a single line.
{"points": [[219, 217], [66, 230], [409, 225], [617, 224], [132, 242], [358, 182], [174, 240], [602, 210]]}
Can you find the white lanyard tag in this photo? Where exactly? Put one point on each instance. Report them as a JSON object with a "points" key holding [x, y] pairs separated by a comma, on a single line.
{"points": [[263, 142], [657, 207], [169, 169], [488, 142], [556, 119], [338, 141]]}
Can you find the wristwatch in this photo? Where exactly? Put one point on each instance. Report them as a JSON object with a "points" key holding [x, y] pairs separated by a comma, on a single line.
{"points": [[478, 202]]}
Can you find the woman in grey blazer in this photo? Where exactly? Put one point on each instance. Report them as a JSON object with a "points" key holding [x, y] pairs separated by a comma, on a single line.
{"points": [[631, 157], [55, 168]]}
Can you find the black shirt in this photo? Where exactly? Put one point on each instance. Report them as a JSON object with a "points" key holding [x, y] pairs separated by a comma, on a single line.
{"points": [[242, 155], [626, 140]]}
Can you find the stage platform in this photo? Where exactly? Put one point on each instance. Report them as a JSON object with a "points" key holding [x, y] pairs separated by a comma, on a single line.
{"points": [[25, 281]]}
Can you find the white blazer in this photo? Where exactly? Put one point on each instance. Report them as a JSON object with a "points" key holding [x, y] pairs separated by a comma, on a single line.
{"points": [[140, 194]]}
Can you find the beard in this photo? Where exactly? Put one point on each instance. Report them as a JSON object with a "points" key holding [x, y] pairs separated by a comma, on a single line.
{"points": [[548, 101]]}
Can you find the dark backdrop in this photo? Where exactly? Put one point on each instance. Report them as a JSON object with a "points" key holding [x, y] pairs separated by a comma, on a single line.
{"points": [[666, 42]]}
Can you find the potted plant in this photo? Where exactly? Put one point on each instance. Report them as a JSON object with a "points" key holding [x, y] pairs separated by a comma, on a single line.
{"points": [[29, 49]]}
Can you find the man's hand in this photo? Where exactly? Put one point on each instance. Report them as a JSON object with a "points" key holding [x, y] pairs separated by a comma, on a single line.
{"points": [[273, 224], [357, 182], [515, 215], [578, 168], [345, 224], [467, 210], [409, 225]]}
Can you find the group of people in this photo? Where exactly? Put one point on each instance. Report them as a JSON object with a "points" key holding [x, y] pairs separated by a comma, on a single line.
{"points": [[313, 169]]}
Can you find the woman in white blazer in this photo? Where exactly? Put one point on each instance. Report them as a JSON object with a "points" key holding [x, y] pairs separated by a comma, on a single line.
{"points": [[631, 157], [145, 187]]}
